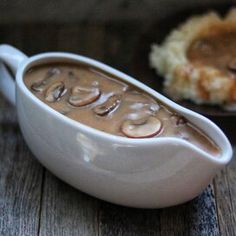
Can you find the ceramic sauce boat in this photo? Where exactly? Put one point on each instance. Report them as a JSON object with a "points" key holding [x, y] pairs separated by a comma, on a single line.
{"points": [[145, 173]]}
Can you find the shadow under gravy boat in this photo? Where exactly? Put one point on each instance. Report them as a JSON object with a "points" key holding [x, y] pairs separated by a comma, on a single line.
{"points": [[145, 173]]}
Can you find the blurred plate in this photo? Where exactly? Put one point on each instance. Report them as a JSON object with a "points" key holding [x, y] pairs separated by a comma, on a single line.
{"points": [[156, 33]]}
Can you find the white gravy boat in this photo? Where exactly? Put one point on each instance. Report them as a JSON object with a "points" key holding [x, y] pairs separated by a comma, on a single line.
{"points": [[146, 173]]}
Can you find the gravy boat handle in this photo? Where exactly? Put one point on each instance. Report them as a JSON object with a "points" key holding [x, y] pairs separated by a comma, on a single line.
{"points": [[12, 58]]}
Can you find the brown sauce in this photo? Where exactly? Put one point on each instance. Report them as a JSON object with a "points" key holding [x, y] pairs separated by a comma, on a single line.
{"points": [[215, 50], [104, 102]]}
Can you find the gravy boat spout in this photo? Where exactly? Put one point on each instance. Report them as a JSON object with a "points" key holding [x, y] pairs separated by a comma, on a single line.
{"points": [[145, 173]]}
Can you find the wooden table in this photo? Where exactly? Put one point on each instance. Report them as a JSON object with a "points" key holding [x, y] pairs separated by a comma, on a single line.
{"points": [[34, 202]]}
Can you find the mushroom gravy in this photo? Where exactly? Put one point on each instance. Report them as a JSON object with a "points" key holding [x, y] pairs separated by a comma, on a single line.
{"points": [[217, 49], [105, 102]]}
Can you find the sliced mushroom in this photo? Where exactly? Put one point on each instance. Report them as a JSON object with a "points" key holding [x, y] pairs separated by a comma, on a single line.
{"points": [[143, 128], [109, 105], [82, 96], [41, 85], [55, 92]]}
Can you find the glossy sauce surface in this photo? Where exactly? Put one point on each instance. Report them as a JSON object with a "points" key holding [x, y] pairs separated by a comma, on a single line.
{"points": [[104, 102]]}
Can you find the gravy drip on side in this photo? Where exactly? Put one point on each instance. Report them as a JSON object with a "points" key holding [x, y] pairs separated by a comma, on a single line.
{"points": [[104, 102]]}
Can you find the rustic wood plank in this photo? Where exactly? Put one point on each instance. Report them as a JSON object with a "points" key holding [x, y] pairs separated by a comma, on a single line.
{"points": [[226, 198], [66, 211], [202, 214], [20, 185], [174, 221], [7, 113], [197, 217], [118, 220]]}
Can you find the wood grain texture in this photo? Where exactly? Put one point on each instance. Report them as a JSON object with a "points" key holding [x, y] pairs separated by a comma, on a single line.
{"points": [[197, 217], [34, 202], [66, 211], [20, 182], [202, 218], [226, 198], [118, 220]]}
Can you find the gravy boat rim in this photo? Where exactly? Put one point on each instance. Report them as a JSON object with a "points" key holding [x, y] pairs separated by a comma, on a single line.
{"points": [[226, 150]]}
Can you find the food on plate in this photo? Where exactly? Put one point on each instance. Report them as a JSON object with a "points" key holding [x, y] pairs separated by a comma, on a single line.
{"points": [[198, 60]]}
